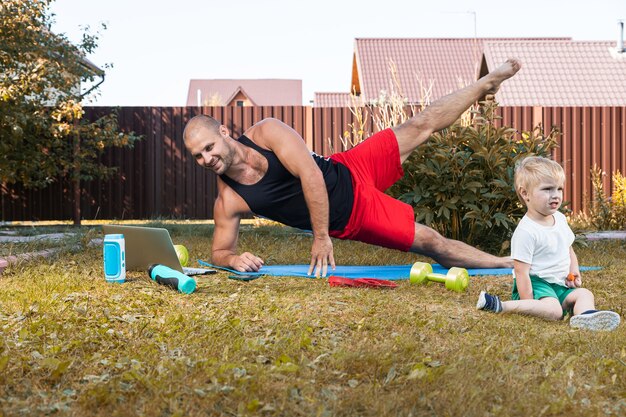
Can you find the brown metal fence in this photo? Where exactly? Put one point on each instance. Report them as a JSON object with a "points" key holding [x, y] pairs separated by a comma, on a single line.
{"points": [[158, 179]]}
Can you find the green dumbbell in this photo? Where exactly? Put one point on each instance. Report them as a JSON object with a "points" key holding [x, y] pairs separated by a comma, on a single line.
{"points": [[457, 279]]}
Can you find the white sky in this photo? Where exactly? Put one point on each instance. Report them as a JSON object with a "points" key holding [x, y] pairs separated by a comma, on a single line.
{"points": [[157, 46]]}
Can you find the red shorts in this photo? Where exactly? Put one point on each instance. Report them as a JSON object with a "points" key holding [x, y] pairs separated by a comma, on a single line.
{"points": [[376, 217]]}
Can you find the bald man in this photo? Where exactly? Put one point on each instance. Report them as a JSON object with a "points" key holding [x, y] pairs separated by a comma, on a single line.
{"points": [[269, 171]]}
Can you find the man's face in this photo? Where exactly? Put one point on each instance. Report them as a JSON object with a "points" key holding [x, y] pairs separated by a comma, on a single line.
{"points": [[209, 149]]}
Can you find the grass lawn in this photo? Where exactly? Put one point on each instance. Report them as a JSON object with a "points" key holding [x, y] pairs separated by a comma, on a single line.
{"points": [[71, 344]]}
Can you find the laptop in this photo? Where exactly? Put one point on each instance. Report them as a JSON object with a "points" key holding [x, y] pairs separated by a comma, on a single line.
{"points": [[146, 246]]}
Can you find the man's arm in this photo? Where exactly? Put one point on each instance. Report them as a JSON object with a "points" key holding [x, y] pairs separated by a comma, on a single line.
{"points": [[227, 215], [522, 279], [292, 152]]}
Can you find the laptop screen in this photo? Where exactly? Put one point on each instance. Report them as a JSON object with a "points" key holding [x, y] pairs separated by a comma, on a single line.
{"points": [[146, 246]]}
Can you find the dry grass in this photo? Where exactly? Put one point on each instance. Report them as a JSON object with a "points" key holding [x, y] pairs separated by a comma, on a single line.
{"points": [[71, 344]]}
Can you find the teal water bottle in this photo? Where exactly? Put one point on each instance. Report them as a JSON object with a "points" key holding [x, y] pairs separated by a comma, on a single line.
{"points": [[114, 252], [172, 278]]}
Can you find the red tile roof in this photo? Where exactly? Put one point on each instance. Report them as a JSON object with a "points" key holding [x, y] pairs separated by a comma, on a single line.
{"points": [[446, 63], [263, 92], [583, 73], [335, 100]]}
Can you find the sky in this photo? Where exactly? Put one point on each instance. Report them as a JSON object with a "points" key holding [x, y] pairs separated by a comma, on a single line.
{"points": [[156, 47]]}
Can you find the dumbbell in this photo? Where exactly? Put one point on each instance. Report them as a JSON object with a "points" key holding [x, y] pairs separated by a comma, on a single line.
{"points": [[172, 278], [457, 279]]}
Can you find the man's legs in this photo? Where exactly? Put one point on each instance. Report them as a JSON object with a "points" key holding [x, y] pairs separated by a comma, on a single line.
{"points": [[450, 252], [446, 110]]}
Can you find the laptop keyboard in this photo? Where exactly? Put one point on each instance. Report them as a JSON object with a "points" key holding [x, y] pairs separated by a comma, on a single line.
{"points": [[198, 271]]}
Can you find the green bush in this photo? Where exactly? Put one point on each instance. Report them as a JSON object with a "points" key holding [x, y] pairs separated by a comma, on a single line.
{"points": [[604, 212], [460, 182]]}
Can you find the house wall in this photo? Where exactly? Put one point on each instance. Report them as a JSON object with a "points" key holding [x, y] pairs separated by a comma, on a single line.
{"points": [[159, 179]]}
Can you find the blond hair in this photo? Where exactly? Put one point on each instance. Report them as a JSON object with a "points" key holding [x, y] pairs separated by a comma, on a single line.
{"points": [[532, 170]]}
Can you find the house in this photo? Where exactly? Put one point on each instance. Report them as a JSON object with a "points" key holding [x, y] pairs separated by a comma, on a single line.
{"points": [[87, 76], [90, 78], [84, 75], [258, 92], [555, 71], [85, 88], [335, 99]]}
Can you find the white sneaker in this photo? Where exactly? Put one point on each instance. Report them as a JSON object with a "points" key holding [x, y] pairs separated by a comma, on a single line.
{"points": [[599, 320]]}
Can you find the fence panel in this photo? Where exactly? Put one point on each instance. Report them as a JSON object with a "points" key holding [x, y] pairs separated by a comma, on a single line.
{"points": [[158, 177]]}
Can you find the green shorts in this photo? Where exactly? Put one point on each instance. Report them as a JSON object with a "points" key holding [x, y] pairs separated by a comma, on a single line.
{"points": [[542, 289]]}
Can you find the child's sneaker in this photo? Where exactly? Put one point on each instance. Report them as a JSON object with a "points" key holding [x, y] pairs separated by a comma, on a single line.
{"points": [[595, 320], [489, 302]]}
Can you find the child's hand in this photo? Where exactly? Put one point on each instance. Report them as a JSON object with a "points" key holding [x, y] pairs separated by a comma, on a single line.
{"points": [[573, 280]]}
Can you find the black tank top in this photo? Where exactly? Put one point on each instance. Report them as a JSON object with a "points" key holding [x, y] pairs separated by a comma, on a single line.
{"points": [[278, 195]]}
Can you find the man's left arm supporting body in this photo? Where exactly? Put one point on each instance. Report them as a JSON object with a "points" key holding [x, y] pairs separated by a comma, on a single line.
{"points": [[227, 212]]}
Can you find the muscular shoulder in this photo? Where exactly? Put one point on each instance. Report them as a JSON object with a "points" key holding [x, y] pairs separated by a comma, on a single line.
{"points": [[266, 132]]}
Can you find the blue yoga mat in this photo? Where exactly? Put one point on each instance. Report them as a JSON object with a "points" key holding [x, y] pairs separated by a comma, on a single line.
{"points": [[390, 272]]}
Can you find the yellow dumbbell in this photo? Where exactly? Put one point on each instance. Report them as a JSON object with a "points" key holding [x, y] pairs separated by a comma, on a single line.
{"points": [[457, 279]]}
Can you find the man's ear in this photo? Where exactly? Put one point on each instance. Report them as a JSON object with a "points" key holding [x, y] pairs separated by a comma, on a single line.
{"points": [[224, 131]]}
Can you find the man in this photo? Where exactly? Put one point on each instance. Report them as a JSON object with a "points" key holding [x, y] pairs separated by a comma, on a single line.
{"points": [[271, 172]]}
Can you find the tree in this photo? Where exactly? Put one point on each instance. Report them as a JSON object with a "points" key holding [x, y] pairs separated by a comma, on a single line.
{"points": [[43, 136]]}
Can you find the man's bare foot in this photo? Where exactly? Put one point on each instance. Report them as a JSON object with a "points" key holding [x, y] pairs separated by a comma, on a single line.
{"points": [[503, 72]]}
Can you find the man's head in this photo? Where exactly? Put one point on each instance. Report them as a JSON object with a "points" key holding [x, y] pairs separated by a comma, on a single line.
{"points": [[205, 138], [200, 124], [535, 171]]}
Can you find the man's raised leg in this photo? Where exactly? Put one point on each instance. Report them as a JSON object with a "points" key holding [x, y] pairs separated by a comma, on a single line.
{"points": [[446, 110]]}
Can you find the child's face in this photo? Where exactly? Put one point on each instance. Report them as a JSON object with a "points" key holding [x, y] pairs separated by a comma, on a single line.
{"points": [[543, 199]]}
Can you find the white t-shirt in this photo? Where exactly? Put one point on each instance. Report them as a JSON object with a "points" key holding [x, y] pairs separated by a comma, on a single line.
{"points": [[545, 248]]}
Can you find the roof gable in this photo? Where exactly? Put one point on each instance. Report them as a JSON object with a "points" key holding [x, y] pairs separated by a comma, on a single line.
{"points": [[238, 91]]}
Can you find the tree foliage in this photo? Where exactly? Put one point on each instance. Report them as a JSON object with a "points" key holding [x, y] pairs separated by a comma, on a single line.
{"points": [[43, 135]]}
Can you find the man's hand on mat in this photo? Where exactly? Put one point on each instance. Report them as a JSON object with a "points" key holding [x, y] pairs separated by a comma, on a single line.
{"points": [[247, 262], [321, 256]]}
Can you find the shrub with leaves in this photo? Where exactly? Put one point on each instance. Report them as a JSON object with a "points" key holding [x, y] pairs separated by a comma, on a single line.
{"points": [[603, 212], [460, 182], [618, 200]]}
